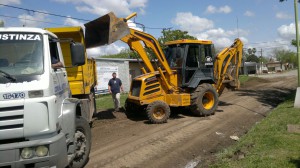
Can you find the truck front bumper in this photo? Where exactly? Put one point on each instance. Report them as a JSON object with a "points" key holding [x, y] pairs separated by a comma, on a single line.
{"points": [[10, 154]]}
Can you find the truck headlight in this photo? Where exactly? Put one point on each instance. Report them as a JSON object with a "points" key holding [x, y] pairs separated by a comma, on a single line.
{"points": [[27, 153], [35, 93], [41, 151]]}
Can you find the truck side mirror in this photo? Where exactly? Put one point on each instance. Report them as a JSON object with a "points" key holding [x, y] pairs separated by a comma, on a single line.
{"points": [[77, 54]]}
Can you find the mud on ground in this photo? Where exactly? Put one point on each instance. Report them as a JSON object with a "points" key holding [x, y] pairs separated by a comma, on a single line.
{"points": [[186, 140]]}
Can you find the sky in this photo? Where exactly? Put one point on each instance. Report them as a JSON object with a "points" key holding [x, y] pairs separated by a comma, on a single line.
{"points": [[262, 24]]}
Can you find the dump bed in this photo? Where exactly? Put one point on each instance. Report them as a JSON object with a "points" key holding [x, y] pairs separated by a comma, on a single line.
{"points": [[83, 78]]}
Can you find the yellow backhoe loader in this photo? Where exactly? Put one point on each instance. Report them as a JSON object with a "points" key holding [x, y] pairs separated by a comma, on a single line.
{"points": [[188, 73]]}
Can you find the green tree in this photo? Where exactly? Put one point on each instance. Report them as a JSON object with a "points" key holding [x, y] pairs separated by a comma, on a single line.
{"points": [[250, 55], [170, 35], [285, 56], [294, 42], [126, 53]]}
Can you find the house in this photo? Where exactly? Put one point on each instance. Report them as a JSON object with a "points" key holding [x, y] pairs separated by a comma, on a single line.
{"points": [[126, 70]]}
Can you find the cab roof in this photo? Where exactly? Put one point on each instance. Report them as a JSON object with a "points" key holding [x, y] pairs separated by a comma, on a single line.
{"points": [[187, 41]]}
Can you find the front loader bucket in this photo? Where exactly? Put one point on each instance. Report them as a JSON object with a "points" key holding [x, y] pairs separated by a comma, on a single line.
{"points": [[105, 30]]}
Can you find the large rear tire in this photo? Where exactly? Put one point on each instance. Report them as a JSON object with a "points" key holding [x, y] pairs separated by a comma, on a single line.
{"points": [[204, 100], [82, 143], [158, 112]]}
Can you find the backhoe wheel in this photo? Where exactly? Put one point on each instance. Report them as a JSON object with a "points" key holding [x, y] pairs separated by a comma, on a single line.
{"points": [[82, 143], [204, 100], [130, 108], [158, 112]]}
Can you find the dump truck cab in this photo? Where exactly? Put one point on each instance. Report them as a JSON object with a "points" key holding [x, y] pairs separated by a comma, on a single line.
{"points": [[38, 121]]}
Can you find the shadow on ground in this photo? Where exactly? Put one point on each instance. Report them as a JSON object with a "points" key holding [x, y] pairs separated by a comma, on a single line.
{"points": [[268, 97], [296, 162]]}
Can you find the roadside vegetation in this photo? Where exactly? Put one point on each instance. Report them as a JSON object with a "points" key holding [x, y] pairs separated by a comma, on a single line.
{"points": [[104, 102], [268, 144]]}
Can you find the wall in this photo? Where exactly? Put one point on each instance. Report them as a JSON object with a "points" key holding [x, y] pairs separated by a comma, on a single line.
{"points": [[123, 72]]}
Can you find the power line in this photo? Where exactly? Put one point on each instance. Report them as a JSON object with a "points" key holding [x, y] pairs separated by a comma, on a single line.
{"points": [[47, 13], [270, 42], [63, 16], [14, 17]]}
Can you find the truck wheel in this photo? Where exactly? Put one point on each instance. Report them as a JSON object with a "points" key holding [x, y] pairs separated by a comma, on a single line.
{"points": [[93, 100], [129, 108], [204, 100], [158, 112], [82, 143]]}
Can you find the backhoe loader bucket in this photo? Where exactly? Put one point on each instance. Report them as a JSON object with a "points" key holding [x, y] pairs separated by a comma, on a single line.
{"points": [[105, 30]]}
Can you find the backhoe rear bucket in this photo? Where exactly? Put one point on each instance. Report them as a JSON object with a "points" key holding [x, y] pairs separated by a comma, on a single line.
{"points": [[105, 30]]}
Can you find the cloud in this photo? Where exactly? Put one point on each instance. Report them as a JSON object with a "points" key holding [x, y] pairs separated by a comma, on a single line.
{"points": [[287, 32], [72, 22], [7, 2], [188, 22], [222, 38], [282, 15], [203, 29], [120, 7], [223, 9], [33, 20], [132, 25], [249, 13], [105, 50]]}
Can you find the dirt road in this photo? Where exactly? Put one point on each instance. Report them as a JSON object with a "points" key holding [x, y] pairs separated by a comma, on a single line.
{"points": [[185, 141]]}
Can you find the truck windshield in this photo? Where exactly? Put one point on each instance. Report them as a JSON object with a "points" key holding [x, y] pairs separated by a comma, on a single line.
{"points": [[21, 56]]}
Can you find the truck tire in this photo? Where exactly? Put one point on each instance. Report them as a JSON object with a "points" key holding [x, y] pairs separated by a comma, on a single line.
{"points": [[158, 112], [93, 100], [82, 143], [204, 100], [129, 108]]}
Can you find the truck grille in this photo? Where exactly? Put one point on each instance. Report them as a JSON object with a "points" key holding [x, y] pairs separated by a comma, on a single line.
{"points": [[152, 86], [11, 117]]}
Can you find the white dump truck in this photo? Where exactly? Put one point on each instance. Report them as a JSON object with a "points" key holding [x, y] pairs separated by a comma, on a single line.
{"points": [[41, 123]]}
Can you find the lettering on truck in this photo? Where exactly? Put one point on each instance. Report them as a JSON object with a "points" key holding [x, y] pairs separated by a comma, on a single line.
{"points": [[31, 37]]}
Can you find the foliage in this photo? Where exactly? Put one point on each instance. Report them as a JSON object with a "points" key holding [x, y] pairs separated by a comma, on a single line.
{"points": [[285, 56], [252, 58], [171, 35], [294, 42], [126, 53], [263, 59], [250, 55], [251, 51], [268, 144]]}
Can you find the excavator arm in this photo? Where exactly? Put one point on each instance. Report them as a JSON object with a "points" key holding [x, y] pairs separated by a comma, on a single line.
{"points": [[108, 29], [226, 67], [134, 40]]}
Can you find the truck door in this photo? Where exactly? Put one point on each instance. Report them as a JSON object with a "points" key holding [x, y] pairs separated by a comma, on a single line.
{"points": [[191, 61], [59, 75]]}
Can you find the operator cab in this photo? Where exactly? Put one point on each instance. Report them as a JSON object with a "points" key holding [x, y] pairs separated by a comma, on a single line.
{"points": [[191, 58]]}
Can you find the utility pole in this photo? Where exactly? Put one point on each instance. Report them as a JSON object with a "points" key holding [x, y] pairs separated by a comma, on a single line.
{"points": [[261, 63], [297, 99], [1, 23]]}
